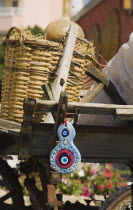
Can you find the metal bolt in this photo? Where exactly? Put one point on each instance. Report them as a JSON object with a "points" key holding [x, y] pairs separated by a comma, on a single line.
{"points": [[62, 81]]}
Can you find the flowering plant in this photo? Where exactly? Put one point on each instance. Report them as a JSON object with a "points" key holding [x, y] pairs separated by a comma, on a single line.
{"points": [[70, 186], [93, 178], [109, 180]]}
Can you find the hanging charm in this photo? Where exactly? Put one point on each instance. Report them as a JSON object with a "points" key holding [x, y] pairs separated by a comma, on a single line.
{"points": [[65, 157]]}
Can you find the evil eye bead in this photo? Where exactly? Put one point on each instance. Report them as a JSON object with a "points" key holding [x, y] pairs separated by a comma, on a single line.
{"points": [[65, 132], [64, 158]]}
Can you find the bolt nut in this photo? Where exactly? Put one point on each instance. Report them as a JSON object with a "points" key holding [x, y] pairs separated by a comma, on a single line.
{"points": [[62, 81]]}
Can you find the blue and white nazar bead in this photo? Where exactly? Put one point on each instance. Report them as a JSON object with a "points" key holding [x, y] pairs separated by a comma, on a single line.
{"points": [[65, 157]]}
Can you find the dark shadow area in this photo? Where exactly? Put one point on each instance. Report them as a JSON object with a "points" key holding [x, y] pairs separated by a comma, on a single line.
{"points": [[6, 141]]}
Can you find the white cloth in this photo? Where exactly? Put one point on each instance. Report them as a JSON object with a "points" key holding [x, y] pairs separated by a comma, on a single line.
{"points": [[120, 71]]}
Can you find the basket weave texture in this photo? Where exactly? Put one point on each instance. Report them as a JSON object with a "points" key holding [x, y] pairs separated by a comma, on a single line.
{"points": [[31, 62]]}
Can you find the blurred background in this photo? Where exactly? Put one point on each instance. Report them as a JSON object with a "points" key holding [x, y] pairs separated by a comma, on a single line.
{"points": [[107, 24]]}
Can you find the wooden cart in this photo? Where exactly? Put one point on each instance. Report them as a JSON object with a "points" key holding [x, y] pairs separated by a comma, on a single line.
{"points": [[33, 142]]}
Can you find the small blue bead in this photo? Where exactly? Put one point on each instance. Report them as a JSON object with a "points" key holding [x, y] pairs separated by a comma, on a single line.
{"points": [[64, 160], [65, 133]]}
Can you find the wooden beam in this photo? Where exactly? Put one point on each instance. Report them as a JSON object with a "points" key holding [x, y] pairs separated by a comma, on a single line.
{"points": [[114, 94], [94, 142], [9, 125], [49, 118], [92, 93], [124, 114], [109, 87], [82, 93], [59, 118], [84, 108], [39, 127], [65, 62], [59, 83], [47, 91], [97, 75], [104, 145], [101, 143], [90, 145], [26, 131]]}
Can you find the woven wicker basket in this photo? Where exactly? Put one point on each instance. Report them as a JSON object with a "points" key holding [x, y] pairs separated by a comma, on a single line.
{"points": [[31, 62]]}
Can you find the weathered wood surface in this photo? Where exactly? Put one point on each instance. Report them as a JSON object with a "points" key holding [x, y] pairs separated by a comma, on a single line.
{"points": [[39, 127], [82, 93], [84, 108], [65, 62], [97, 75], [92, 93], [59, 83], [105, 145], [49, 118], [15, 127], [9, 134], [114, 94], [59, 118], [94, 142], [7, 126], [90, 145], [26, 132], [109, 87], [124, 114], [48, 92]]}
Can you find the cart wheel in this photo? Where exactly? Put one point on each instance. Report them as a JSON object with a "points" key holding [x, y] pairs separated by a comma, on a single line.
{"points": [[15, 192], [122, 200]]}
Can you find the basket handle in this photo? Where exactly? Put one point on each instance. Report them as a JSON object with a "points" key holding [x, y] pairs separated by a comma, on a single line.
{"points": [[22, 37], [14, 29]]}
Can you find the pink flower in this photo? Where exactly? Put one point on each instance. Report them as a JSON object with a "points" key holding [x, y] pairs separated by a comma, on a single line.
{"points": [[109, 186], [124, 185], [108, 170], [100, 187], [91, 171], [86, 193], [92, 164], [108, 175], [66, 181], [84, 188]]}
